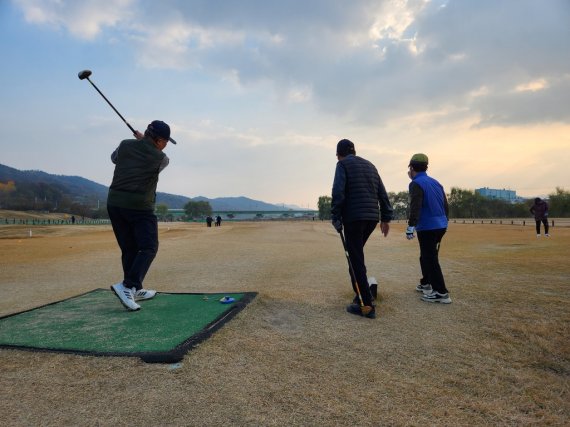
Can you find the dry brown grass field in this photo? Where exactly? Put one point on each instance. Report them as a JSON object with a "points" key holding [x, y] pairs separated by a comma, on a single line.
{"points": [[498, 355]]}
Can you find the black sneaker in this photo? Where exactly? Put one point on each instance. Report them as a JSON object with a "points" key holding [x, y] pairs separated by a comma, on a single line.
{"points": [[356, 301], [356, 309], [436, 297]]}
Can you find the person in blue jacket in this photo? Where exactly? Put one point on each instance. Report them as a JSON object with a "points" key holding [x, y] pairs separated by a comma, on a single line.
{"points": [[428, 218]]}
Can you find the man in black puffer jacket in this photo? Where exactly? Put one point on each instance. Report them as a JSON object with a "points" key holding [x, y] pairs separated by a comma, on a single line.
{"points": [[359, 201]]}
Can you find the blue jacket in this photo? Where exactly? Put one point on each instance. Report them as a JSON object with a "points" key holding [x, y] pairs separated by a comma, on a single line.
{"points": [[358, 193], [428, 204]]}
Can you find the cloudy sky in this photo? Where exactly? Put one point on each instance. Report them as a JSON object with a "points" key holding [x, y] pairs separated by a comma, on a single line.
{"points": [[258, 92]]}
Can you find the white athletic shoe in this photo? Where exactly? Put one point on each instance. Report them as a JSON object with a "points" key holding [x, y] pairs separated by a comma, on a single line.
{"points": [[143, 294], [425, 289], [434, 296], [126, 296]]}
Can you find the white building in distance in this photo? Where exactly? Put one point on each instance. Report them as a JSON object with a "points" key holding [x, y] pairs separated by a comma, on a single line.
{"points": [[493, 193]]}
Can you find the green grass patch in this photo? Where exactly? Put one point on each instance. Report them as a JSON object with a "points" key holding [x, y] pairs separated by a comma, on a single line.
{"points": [[96, 323]]}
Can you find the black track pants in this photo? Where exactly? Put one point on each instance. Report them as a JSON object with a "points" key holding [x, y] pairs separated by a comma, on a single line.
{"points": [[137, 235], [356, 234], [545, 222], [430, 241]]}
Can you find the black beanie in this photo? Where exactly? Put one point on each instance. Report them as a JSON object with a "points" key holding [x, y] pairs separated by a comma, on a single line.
{"points": [[344, 148]]}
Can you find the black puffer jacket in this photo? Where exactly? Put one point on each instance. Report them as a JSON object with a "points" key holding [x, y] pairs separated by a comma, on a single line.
{"points": [[539, 210], [358, 193]]}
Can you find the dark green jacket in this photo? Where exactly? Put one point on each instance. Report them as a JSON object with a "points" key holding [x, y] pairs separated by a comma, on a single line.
{"points": [[137, 165]]}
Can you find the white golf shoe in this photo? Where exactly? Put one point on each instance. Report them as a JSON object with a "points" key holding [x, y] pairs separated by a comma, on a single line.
{"points": [[435, 296], [143, 294], [126, 296]]}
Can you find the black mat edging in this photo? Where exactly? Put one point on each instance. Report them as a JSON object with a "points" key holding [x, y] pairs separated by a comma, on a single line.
{"points": [[48, 304], [172, 356], [178, 352]]}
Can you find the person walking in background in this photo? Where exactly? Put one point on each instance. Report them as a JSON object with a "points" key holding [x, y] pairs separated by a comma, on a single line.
{"points": [[131, 203], [218, 221], [540, 211], [428, 218], [359, 200]]}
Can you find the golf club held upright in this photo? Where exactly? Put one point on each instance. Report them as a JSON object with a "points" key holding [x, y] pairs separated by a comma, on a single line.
{"points": [[84, 75]]}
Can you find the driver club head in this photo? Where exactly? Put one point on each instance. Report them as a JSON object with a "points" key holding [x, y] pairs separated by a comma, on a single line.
{"points": [[84, 74]]}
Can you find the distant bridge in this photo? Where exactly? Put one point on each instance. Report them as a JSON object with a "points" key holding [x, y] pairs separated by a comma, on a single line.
{"points": [[252, 214]]}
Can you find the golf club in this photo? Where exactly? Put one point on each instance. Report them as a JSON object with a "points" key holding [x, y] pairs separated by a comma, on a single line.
{"points": [[365, 309], [84, 75]]}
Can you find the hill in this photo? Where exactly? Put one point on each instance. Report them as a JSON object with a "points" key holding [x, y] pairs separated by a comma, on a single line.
{"points": [[37, 187], [79, 188]]}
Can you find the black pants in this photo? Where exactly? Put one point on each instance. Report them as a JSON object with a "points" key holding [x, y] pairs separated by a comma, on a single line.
{"points": [[137, 235], [430, 241], [356, 234], [545, 222]]}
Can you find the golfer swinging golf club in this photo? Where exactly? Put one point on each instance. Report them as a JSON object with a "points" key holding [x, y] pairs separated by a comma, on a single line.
{"points": [[130, 204], [359, 200]]}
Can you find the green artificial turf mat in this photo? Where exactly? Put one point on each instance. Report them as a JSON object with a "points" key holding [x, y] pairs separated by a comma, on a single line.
{"points": [[96, 323]]}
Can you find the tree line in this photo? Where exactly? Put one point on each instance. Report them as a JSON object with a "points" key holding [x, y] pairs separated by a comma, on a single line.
{"points": [[462, 203], [41, 196], [192, 210], [470, 204]]}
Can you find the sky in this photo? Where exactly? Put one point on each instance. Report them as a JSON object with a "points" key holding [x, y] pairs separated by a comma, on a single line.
{"points": [[258, 92]]}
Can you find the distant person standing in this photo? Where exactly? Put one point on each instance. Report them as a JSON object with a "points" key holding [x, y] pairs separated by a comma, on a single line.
{"points": [[131, 203], [428, 218], [540, 211], [218, 221], [209, 220], [359, 201]]}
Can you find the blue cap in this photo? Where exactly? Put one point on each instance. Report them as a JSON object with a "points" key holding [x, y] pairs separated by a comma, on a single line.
{"points": [[160, 129]]}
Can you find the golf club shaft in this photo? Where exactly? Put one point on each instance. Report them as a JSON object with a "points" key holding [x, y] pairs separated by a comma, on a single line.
{"points": [[109, 102], [350, 269]]}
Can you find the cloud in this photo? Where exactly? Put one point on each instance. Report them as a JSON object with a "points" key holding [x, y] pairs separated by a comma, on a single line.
{"points": [[501, 46], [533, 103], [369, 62], [84, 19], [532, 86]]}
